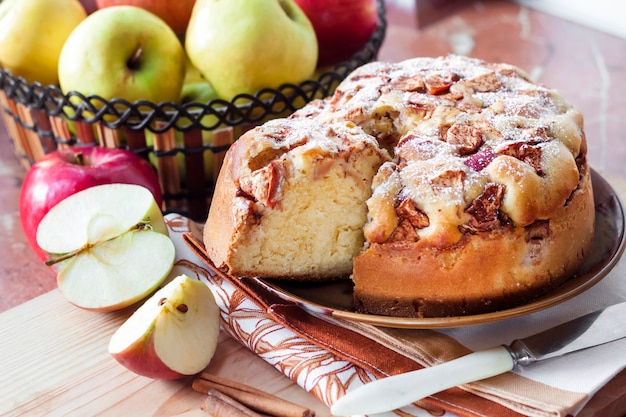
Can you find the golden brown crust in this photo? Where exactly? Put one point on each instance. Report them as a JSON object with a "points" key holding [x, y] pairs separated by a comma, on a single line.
{"points": [[228, 210], [483, 272]]}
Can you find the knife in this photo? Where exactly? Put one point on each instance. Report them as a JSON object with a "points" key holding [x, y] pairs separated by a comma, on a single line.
{"points": [[386, 394]]}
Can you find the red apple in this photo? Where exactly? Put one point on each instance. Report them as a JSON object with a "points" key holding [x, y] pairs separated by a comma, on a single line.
{"points": [[62, 173], [89, 5], [175, 13], [342, 26]]}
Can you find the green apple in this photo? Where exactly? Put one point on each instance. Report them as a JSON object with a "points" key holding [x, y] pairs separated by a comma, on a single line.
{"points": [[196, 89], [192, 74], [197, 92], [108, 244], [173, 334], [123, 52], [32, 34], [241, 46]]}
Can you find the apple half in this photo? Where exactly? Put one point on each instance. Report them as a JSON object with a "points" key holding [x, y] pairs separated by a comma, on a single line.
{"points": [[173, 334], [108, 244]]}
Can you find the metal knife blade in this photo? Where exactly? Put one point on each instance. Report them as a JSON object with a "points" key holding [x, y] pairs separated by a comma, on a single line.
{"points": [[386, 394]]}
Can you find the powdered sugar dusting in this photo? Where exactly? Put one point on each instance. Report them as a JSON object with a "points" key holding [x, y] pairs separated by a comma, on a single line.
{"points": [[448, 119]]}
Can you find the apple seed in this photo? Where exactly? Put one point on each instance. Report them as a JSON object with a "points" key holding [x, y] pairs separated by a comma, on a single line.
{"points": [[144, 225], [183, 308]]}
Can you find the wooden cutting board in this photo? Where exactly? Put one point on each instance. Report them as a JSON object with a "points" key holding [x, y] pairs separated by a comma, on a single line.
{"points": [[54, 362]]}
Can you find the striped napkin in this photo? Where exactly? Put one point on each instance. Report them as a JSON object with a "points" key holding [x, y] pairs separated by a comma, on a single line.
{"points": [[329, 357]]}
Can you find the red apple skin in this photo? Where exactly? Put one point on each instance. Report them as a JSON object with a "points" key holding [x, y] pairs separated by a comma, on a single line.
{"points": [[89, 5], [141, 358], [342, 27], [175, 13], [59, 174]]}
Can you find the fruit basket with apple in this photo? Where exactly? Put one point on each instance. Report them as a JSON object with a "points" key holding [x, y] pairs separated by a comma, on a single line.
{"points": [[183, 139]]}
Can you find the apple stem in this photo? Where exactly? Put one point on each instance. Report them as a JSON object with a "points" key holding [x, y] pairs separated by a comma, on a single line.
{"points": [[79, 158], [135, 61], [287, 8], [143, 225], [65, 257]]}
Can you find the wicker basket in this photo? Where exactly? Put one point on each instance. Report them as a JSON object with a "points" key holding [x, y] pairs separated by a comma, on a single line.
{"points": [[40, 119]]}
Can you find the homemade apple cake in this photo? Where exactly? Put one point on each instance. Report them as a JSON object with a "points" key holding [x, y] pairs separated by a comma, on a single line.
{"points": [[485, 203]]}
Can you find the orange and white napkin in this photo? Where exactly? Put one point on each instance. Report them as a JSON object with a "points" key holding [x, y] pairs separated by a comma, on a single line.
{"points": [[329, 357]]}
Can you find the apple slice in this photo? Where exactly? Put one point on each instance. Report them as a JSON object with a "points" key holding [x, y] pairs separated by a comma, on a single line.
{"points": [[109, 246], [173, 334]]}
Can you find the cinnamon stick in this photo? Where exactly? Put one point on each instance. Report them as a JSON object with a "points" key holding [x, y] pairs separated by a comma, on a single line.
{"points": [[218, 404], [257, 400]]}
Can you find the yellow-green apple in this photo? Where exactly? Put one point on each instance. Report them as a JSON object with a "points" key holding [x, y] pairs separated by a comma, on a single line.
{"points": [[192, 74], [172, 334], [64, 172], [32, 34], [242, 46], [123, 52], [175, 13], [108, 244], [342, 26], [196, 89], [197, 92]]}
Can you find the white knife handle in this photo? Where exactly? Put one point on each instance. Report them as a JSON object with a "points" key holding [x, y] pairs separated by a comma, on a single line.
{"points": [[390, 393]]}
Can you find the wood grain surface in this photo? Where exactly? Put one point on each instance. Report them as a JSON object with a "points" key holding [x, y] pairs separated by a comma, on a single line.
{"points": [[54, 362]]}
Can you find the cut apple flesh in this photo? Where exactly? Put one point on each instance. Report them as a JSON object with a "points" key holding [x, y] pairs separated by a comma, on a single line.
{"points": [[111, 244], [173, 334], [117, 272], [97, 214]]}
